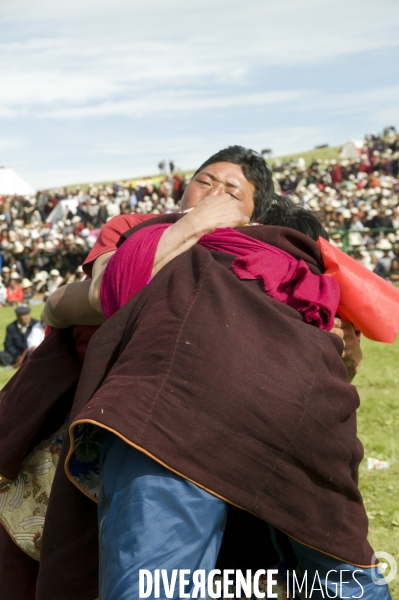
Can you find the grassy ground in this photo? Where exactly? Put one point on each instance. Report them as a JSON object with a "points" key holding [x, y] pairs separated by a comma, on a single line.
{"points": [[378, 424], [378, 427]]}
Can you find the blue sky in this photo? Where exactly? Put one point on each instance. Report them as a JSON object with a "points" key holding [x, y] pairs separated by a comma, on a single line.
{"points": [[97, 89]]}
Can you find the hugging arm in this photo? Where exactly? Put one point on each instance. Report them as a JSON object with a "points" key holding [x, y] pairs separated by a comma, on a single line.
{"points": [[352, 354], [78, 303], [69, 305]]}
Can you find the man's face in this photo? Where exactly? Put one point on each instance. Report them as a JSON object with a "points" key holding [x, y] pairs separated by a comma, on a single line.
{"points": [[24, 319], [220, 178]]}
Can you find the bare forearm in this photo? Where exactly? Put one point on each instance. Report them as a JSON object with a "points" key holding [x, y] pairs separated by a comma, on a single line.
{"points": [[210, 213], [178, 238], [352, 354], [69, 305]]}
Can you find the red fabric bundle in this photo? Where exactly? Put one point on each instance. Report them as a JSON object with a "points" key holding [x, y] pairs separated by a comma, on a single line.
{"points": [[369, 302], [284, 278]]}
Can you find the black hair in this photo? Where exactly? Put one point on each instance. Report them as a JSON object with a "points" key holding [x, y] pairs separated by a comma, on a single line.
{"points": [[255, 170], [284, 213]]}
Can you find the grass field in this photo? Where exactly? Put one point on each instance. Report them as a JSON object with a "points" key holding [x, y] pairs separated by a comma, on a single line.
{"points": [[378, 427]]}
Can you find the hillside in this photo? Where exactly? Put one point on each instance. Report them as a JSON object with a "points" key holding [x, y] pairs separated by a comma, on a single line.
{"points": [[308, 155]]}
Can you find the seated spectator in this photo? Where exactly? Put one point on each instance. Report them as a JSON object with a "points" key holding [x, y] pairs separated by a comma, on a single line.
{"points": [[14, 270], [34, 339], [17, 334], [384, 261], [15, 294], [53, 282], [355, 222], [3, 293], [5, 273], [40, 281], [394, 270], [27, 288], [79, 274]]}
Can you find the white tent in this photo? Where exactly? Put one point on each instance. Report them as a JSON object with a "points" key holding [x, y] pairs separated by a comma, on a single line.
{"points": [[60, 211], [351, 149], [12, 185]]}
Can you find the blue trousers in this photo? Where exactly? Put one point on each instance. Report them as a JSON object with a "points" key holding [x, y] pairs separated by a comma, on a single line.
{"points": [[150, 518]]}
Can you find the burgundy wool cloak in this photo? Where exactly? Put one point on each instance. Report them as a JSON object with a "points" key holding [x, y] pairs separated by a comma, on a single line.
{"points": [[223, 384], [232, 390]]}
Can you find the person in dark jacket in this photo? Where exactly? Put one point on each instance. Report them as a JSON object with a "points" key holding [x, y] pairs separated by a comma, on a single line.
{"points": [[16, 336]]}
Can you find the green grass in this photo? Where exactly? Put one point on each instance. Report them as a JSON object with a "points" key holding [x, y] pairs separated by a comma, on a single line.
{"points": [[378, 429]]}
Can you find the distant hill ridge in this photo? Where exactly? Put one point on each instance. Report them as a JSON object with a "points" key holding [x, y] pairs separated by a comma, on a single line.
{"points": [[309, 155]]}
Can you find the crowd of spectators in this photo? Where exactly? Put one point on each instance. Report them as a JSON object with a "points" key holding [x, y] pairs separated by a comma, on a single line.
{"points": [[45, 238], [356, 199]]}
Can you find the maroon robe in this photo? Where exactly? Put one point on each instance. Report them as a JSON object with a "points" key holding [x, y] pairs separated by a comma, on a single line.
{"points": [[237, 394]]}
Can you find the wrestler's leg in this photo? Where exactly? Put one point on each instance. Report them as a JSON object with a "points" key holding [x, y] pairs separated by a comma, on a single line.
{"points": [[150, 518], [18, 572], [359, 584]]}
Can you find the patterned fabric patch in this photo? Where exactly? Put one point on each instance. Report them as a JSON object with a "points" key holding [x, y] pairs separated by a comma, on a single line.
{"points": [[23, 503]]}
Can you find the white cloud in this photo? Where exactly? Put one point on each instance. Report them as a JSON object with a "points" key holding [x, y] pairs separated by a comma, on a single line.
{"points": [[380, 103], [363, 100], [178, 101], [10, 144], [382, 118], [85, 59], [115, 63]]}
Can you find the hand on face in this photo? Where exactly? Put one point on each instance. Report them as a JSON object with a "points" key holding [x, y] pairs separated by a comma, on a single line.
{"points": [[219, 210], [221, 196]]}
